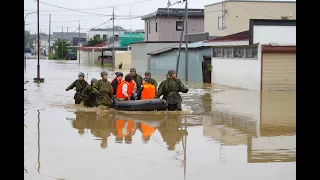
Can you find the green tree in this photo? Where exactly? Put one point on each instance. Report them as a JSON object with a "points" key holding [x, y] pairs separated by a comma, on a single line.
{"points": [[94, 41], [60, 48], [26, 38]]}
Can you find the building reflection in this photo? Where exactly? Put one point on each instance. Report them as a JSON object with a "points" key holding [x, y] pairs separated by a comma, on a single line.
{"points": [[269, 131]]}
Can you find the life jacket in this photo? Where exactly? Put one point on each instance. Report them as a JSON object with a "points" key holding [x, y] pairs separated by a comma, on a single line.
{"points": [[119, 90], [124, 127], [116, 79], [147, 130], [131, 87], [148, 92]]}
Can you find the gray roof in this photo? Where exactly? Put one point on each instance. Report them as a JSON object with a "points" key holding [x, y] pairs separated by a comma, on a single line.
{"points": [[116, 28], [174, 12], [69, 35], [190, 46], [263, 1]]}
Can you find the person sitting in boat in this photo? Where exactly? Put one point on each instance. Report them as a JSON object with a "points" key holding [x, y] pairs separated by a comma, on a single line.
{"points": [[126, 88], [136, 77], [89, 98], [116, 81], [148, 91], [147, 74], [79, 84]]}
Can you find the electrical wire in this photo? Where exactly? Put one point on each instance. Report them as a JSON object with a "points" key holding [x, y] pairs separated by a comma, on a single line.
{"points": [[252, 10]]}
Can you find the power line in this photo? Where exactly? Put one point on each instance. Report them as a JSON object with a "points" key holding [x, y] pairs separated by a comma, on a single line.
{"points": [[252, 11], [44, 22], [75, 10], [97, 8]]}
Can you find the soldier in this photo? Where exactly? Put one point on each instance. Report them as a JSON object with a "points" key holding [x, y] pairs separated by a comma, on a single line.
{"points": [[79, 84], [170, 90], [147, 74], [137, 78], [103, 89], [89, 97], [167, 76]]}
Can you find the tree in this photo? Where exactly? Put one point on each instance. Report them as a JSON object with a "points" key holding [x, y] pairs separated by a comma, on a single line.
{"points": [[94, 41], [60, 48], [26, 37]]}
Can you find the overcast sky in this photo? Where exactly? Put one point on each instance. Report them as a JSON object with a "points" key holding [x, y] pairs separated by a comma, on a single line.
{"points": [[99, 9]]}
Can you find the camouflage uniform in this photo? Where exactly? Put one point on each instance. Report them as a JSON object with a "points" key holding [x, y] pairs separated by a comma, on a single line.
{"points": [[79, 85], [103, 89], [89, 98], [138, 79], [153, 82], [170, 89]]}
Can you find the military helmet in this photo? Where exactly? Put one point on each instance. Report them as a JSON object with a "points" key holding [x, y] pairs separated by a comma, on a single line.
{"points": [[171, 71], [103, 73], [81, 74], [93, 80], [147, 73]]}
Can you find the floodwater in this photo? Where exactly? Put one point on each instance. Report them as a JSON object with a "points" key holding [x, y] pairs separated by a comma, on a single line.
{"points": [[223, 134]]}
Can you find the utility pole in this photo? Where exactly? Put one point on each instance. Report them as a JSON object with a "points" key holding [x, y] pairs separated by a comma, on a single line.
{"points": [[67, 30], [130, 23], [62, 42], [49, 50], [186, 41], [38, 79], [79, 42], [113, 62]]}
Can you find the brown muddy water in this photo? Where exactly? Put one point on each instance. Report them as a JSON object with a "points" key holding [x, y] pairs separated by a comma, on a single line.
{"points": [[224, 134]]}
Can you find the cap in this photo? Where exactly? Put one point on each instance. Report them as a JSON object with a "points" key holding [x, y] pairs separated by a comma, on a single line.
{"points": [[171, 71], [103, 73], [132, 69], [146, 79], [119, 74], [81, 74], [147, 73]]}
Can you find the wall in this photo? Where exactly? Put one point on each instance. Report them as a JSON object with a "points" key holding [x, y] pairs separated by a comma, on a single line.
{"points": [[274, 34], [160, 64], [139, 54], [91, 34], [239, 13], [123, 57], [239, 73], [86, 57], [167, 28]]}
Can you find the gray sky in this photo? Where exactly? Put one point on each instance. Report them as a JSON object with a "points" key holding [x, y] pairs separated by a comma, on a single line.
{"points": [[66, 18]]}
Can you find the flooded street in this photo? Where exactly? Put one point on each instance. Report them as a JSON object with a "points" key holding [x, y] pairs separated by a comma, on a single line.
{"points": [[222, 134]]}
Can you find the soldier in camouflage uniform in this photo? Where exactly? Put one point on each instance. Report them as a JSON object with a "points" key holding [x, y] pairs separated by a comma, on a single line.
{"points": [[103, 89], [147, 74], [170, 90], [89, 98], [137, 78], [79, 84], [167, 76]]}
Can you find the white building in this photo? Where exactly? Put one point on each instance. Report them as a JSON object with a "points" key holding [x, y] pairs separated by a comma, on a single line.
{"points": [[105, 33], [263, 58]]}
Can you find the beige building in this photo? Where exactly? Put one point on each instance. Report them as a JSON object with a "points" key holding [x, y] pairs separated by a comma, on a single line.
{"points": [[232, 16]]}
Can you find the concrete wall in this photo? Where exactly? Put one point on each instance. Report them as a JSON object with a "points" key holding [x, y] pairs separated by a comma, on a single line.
{"points": [[167, 28], [239, 73], [123, 57], [139, 54], [160, 64], [87, 57], [239, 13], [274, 34]]}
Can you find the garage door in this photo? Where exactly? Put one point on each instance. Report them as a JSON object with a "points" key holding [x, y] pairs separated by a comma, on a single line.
{"points": [[279, 71]]}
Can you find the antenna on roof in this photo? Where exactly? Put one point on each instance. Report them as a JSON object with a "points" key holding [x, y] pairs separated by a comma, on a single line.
{"points": [[168, 3]]}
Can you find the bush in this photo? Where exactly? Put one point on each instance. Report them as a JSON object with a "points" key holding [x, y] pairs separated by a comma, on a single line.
{"points": [[52, 57]]}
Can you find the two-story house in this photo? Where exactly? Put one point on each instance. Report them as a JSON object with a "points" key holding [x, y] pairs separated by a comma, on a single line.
{"points": [[166, 23], [232, 16]]}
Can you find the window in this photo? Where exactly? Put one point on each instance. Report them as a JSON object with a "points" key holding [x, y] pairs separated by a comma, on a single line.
{"points": [[104, 37], [227, 52], [221, 23], [156, 27], [149, 27], [216, 52], [251, 52], [97, 36], [179, 25], [238, 52]]}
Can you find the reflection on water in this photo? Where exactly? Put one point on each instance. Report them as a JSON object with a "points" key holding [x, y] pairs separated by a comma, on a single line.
{"points": [[240, 134]]}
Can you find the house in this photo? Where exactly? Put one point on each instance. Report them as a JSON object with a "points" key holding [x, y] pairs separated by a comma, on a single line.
{"points": [[232, 16], [164, 59], [139, 52], [70, 36], [263, 58], [106, 33], [166, 23]]}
